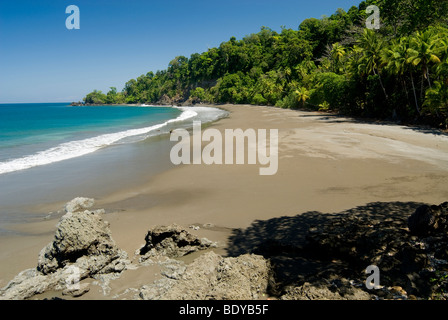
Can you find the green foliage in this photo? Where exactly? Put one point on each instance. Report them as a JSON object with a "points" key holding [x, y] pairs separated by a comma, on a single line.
{"points": [[331, 63], [330, 88], [198, 94], [436, 100], [95, 97], [258, 99]]}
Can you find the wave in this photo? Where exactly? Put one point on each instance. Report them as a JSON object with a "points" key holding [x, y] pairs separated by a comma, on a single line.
{"points": [[73, 149]]}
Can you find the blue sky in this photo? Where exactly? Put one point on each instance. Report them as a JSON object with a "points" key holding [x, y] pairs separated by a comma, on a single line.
{"points": [[42, 61]]}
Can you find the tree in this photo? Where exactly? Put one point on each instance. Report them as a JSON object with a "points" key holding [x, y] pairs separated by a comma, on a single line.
{"points": [[303, 95], [95, 97], [329, 87], [370, 61], [436, 100], [111, 97], [331, 62], [423, 52], [396, 58], [198, 94], [336, 55]]}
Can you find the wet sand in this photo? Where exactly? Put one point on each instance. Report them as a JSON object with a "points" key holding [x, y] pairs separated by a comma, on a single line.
{"points": [[325, 163]]}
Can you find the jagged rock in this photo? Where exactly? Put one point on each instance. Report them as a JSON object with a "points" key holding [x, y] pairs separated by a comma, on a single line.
{"points": [[382, 239], [31, 282], [82, 247], [173, 269], [211, 276], [427, 220], [26, 284], [172, 241], [77, 291], [80, 235], [79, 204], [309, 291]]}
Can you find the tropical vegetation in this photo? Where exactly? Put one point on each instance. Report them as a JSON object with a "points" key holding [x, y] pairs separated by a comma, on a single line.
{"points": [[399, 71]]}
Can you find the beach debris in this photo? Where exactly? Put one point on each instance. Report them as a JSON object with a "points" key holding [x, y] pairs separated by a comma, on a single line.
{"points": [[172, 241]]}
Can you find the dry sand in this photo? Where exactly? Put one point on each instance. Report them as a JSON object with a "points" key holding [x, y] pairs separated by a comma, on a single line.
{"points": [[326, 163]]}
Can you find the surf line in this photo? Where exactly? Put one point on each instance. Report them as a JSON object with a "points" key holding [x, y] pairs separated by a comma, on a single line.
{"points": [[227, 149]]}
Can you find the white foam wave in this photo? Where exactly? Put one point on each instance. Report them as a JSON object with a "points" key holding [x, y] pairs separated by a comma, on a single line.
{"points": [[79, 148]]}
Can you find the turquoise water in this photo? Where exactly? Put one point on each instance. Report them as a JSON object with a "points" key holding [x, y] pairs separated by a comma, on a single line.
{"points": [[42, 133], [52, 152]]}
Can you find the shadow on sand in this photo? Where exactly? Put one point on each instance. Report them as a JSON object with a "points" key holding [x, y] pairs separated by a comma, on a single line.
{"points": [[285, 241]]}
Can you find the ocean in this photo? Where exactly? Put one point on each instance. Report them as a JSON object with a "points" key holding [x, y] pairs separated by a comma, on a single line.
{"points": [[53, 152]]}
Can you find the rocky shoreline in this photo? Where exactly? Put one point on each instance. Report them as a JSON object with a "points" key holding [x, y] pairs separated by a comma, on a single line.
{"points": [[311, 256]]}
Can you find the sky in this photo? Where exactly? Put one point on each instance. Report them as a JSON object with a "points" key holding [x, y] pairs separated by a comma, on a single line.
{"points": [[43, 61]]}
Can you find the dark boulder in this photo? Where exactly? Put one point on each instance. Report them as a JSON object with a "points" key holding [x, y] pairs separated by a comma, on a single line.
{"points": [[172, 241], [427, 220]]}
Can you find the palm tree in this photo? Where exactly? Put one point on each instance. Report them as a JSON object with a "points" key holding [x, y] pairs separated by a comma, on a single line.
{"points": [[395, 58], [436, 99], [353, 57], [442, 68], [303, 94], [370, 60], [337, 53], [423, 51]]}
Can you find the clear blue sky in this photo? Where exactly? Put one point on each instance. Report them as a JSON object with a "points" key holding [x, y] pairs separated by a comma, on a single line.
{"points": [[42, 61]]}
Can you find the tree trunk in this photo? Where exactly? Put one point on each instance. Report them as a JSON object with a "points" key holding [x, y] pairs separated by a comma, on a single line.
{"points": [[415, 94], [381, 83], [427, 76], [403, 83]]}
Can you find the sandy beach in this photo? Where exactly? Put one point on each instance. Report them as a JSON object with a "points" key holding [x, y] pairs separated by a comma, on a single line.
{"points": [[326, 163]]}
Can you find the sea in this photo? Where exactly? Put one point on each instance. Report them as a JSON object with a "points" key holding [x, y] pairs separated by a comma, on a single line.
{"points": [[52, 152]]}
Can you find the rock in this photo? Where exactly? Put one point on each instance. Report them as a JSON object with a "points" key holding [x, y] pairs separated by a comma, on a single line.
{"points": [[31, 282], [427, 220], [82, 247], [26, 284], [79, 235], [211, 276], [172, 241], [77, 291], [397, 290], [308, 291], [240, 278], [173, 269], [156, 290], [79, 204]]}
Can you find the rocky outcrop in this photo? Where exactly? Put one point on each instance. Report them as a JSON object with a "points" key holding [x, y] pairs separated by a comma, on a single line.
{"points": [[82, 247], [316, 255], [211, 276], [406, 257], [172, 241], [83, 236], [79, 204], [337, 290], [312, 256], [427, 220]]}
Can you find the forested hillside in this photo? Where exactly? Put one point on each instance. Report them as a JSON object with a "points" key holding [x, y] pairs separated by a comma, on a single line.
{"points": [[399, 71]]}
